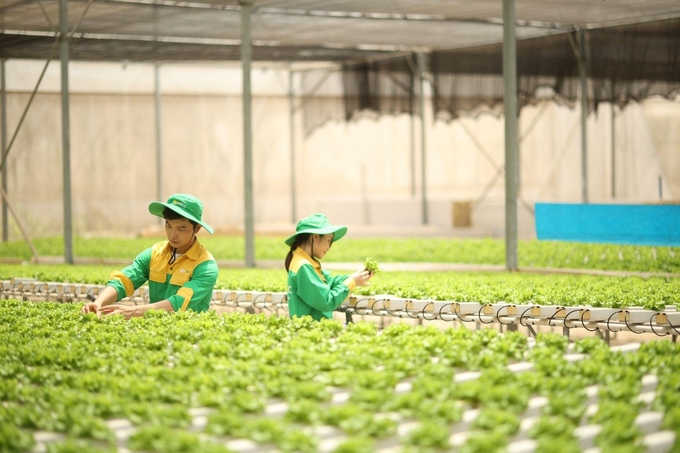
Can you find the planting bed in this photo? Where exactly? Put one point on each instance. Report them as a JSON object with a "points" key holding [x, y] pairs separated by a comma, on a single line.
{"points": [[212, 382], [481, 251], [619, 315]]}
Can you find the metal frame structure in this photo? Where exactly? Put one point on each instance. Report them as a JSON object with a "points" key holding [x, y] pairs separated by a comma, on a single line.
{"points": [[301, 30]]}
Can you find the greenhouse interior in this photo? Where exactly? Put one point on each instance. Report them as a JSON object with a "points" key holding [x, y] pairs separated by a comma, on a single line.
{"points": [[502, 178]]}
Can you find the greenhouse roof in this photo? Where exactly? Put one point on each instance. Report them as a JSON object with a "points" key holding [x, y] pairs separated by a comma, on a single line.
{"points": [[295, 30]]}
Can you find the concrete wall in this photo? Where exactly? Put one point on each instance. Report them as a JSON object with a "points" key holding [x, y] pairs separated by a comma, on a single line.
{"points": [[359, 173]]}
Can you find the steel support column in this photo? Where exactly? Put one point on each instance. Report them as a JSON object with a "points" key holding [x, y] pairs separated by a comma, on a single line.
{"points": [[584, 114], [613, 124], [423, 136], [159, 136], [291, 106], [65, 129], [511, 134], [246, 57], [412, 119], [3, 148]]}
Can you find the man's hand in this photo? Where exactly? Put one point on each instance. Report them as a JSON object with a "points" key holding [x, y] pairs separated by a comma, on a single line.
{"points": [[90, 307], [125, 310], [106, 297], [130, 311]]}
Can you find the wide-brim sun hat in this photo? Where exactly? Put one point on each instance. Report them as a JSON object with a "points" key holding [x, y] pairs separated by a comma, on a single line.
{"points": [[317, 224], [183, 204]]}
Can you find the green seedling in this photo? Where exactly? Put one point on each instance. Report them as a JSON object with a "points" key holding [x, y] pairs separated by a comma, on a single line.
{"points": [[372, 266]]}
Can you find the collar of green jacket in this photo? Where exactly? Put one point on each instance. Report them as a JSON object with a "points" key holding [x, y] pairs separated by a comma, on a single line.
{"points": [[301, 255], [193, 253]]}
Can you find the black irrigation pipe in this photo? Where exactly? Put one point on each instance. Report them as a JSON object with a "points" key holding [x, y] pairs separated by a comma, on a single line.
{"points": [[651, 326], [583, 323], [372, 307], [424, 312], [609, 319], [522, 317], [408, 313], [441, 316], [498, 314], [479, 314], [630, 328]]}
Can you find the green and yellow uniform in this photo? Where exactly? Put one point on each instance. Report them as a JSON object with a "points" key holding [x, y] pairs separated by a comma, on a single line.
{"points": [[187, 283], [311, 290]]}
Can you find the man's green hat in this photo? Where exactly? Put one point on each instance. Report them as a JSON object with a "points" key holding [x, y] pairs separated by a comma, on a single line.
{"points": [[185, 205], [318, 224]]}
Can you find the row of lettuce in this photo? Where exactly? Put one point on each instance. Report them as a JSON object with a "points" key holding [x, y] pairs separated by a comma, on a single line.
{"points": [[69, 373], [481, 251], [653, 293]]}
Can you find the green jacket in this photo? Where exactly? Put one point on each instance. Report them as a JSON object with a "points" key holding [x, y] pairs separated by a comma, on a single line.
{"points": [[312, 291], [187, 283]]}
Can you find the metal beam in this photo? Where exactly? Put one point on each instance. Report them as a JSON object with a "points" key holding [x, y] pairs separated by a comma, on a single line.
{"points": [[500, 170], [306, 95], [36, 260], [511, 133], [30, 101], [341, 14], [246, 58], [65, 130], [550, 176]]}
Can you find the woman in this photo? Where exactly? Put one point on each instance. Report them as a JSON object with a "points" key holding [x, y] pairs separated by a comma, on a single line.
{"points": [[311, 290]]}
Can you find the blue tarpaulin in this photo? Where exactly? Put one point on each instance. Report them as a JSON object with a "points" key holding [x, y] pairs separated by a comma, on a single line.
{"points": [[635, 224]]}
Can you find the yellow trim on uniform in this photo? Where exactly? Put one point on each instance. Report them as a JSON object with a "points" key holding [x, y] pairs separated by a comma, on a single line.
{"points": [[301, 257], [186, 293], [351, 284], [199, 253], [125, 280], [159, 267], [182, 269]]}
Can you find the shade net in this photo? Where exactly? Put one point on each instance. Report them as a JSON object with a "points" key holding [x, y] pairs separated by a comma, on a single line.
{"points": [[623, 64], [379, 86]]}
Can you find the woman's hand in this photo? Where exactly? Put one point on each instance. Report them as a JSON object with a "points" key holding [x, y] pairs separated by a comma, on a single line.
{"points": [[362, 277]]}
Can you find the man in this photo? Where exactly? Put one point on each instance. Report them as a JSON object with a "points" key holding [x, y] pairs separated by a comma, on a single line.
{"points": [[181, 272]]}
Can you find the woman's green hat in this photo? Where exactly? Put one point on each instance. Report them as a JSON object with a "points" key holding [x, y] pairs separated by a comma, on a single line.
{"points": [[185, 205], [317, 224]]}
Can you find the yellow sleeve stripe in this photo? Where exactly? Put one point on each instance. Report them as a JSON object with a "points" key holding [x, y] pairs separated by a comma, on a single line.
{"points": [[127, 283], [185, 293], [351, 284]]}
